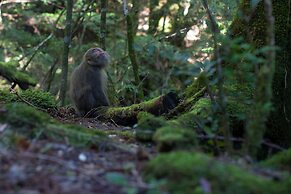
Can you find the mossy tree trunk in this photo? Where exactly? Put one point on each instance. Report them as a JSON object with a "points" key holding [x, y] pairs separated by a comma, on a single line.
{"points": [[131, 51], [252, 26], [103, 8], [67, 44]]}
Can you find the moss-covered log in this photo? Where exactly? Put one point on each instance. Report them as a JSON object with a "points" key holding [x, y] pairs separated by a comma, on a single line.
{"points": [[128, 115], [9, 71]]}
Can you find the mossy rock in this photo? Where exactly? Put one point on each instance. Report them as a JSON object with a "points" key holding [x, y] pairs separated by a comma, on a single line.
{"points": [[174, 137], [147, 126], [197, 173], [37, 98]]}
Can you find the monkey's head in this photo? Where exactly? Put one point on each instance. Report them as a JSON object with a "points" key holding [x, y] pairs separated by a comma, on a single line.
{"points": [[96, 57]]}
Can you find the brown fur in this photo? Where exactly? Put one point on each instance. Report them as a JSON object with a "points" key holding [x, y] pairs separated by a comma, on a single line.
{"points": [[88, 82]]}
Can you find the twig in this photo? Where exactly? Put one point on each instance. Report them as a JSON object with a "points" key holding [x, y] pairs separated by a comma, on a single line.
{"points": [[114, 123]]}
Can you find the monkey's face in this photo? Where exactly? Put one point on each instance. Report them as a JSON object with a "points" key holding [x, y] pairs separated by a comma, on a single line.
{"points": [[96, 57]]}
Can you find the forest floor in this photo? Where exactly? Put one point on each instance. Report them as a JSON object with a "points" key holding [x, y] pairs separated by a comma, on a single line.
{"points": [[54, 167]]}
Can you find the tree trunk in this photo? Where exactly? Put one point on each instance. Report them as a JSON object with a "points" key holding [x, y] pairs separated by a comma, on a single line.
{"points": [[67, 43], [103, 24], [253, 27]]}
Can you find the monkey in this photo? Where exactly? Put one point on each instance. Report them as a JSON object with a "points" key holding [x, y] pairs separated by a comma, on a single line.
{"points": [[88, 84]]}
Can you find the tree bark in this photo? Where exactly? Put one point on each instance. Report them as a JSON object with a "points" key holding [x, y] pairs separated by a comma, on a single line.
{"points": [[253, 26], [103, 24], [67, 43]]}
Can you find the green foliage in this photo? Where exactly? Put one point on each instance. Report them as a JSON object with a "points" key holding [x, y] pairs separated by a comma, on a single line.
{"points": [[20, 37], [198, 173]]}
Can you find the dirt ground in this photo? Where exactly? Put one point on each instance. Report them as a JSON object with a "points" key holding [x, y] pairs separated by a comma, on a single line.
{"points": [[48, 167]]}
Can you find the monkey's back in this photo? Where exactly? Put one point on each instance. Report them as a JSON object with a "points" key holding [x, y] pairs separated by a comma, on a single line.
{"points": [[88, 88]]}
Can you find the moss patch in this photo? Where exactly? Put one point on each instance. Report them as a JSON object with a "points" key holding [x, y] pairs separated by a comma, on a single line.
{"points": [[197, 173], [147, 126], [281, 160], [29, 123], [37, 98], [174, 137]]}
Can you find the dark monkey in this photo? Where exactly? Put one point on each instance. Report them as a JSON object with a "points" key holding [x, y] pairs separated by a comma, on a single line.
{"points": [[89, 80]]}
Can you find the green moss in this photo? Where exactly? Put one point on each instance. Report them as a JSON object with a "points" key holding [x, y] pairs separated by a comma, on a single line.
{"points": [[196, 86], [281, 160], [75, 135], [235, 109], [129, 111], [147, 126], [21, 115], [6, 96], [202, 107], [127, 135], [174, 137], [30, 123], [37, 98], [196, 173]]}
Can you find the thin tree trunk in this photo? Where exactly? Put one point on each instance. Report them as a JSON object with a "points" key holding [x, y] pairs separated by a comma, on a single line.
{"points": [[222, 113], [263, 94], [131, 51], [103, 8], [67, 43]]}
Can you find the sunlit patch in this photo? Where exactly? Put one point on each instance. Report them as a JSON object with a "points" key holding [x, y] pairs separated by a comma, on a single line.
{"points": [[186, 4], [58, 71], [165, 24], [192, 35], [143, 21]]}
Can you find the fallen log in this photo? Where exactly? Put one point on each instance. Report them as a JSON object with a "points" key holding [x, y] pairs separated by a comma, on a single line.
{"points": [[128, 115]]}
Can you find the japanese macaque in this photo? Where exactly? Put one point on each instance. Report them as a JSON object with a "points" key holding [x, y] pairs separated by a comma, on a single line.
{"points": [[88, 86]]}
